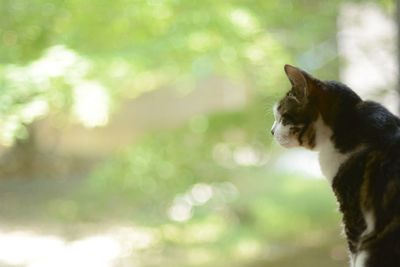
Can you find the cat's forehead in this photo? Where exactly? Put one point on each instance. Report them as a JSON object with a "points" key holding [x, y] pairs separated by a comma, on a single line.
{"points": [[289, 103], [301, 110]]}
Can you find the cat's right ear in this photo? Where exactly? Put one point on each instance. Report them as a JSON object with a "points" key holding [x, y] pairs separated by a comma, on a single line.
{"points": [[298, 79]]}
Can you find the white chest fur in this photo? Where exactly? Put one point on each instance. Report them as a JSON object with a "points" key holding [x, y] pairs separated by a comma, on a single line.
{"points": [[359, 259], [330, 161], [329, 158]]}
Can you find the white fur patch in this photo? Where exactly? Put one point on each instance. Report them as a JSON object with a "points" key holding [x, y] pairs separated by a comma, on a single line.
{"points": [[352, 259], [369, 221], [360, 259], [282, 132], [329, 158]]}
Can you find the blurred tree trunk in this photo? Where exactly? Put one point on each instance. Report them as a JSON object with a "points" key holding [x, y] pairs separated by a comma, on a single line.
{"points": [[398, 51], [25, 151], [21, 160]]}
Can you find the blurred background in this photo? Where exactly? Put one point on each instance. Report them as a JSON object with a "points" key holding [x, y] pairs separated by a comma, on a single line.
{"points": [[136, 133]]}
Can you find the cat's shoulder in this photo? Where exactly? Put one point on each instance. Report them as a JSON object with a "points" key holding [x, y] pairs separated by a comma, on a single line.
{"points": [[378, 123]]}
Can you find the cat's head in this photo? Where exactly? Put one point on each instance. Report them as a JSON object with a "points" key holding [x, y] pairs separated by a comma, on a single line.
{"points": [[297, 115]]}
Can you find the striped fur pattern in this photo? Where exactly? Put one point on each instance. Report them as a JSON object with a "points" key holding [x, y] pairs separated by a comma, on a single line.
{"points": [[359, 148]]}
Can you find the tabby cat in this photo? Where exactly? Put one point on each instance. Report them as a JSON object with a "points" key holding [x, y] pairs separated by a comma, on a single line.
{"points": [[359, 153]]}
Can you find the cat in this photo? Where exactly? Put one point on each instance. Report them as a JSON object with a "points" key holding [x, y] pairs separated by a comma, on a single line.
{"points": [[359, 153]]}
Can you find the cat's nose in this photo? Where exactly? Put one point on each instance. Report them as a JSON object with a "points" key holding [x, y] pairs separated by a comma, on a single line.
{"points": [[273, 128]]}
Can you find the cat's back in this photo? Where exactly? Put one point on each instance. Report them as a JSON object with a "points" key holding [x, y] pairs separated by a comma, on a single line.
{"points": [[367, 187], [377, 126], [380, 195]]}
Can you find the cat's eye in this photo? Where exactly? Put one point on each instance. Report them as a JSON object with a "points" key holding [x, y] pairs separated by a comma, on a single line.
{"points": [[287, 119]]}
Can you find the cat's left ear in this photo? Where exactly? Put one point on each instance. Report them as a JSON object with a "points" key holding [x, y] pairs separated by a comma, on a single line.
{"points": [[299, 79]]}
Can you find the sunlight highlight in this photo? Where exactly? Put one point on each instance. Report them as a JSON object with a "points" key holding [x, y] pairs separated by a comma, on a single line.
{"points": [[244, 20], [180, 211], [60, 71], [201, 193], [182, 207], [59, 61], [91, 104], [246, 156], [31, 249]]}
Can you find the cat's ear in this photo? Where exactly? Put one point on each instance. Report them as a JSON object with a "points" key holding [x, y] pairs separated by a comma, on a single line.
{"points": [[299, 80]]}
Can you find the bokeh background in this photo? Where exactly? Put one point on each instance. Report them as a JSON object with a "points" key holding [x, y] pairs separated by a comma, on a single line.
{"points": [[136, 133]]}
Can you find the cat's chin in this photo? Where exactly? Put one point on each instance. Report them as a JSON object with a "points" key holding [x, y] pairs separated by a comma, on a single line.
{"points": [[287, 144]]}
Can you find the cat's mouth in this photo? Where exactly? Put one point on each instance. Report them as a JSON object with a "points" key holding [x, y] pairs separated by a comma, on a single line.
{"points": [[282, 138], [284, 141]]}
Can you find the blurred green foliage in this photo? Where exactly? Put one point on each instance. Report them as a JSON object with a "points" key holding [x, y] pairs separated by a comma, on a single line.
{"points": [[209, 187], [150, 173], [191, 186], [131, 47]]}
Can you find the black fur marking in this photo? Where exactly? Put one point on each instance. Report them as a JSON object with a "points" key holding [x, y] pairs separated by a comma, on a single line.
{"points": [[301, 134]]}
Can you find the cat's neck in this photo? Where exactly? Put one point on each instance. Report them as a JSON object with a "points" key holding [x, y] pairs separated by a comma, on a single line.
{"points": [[330, 158]]}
